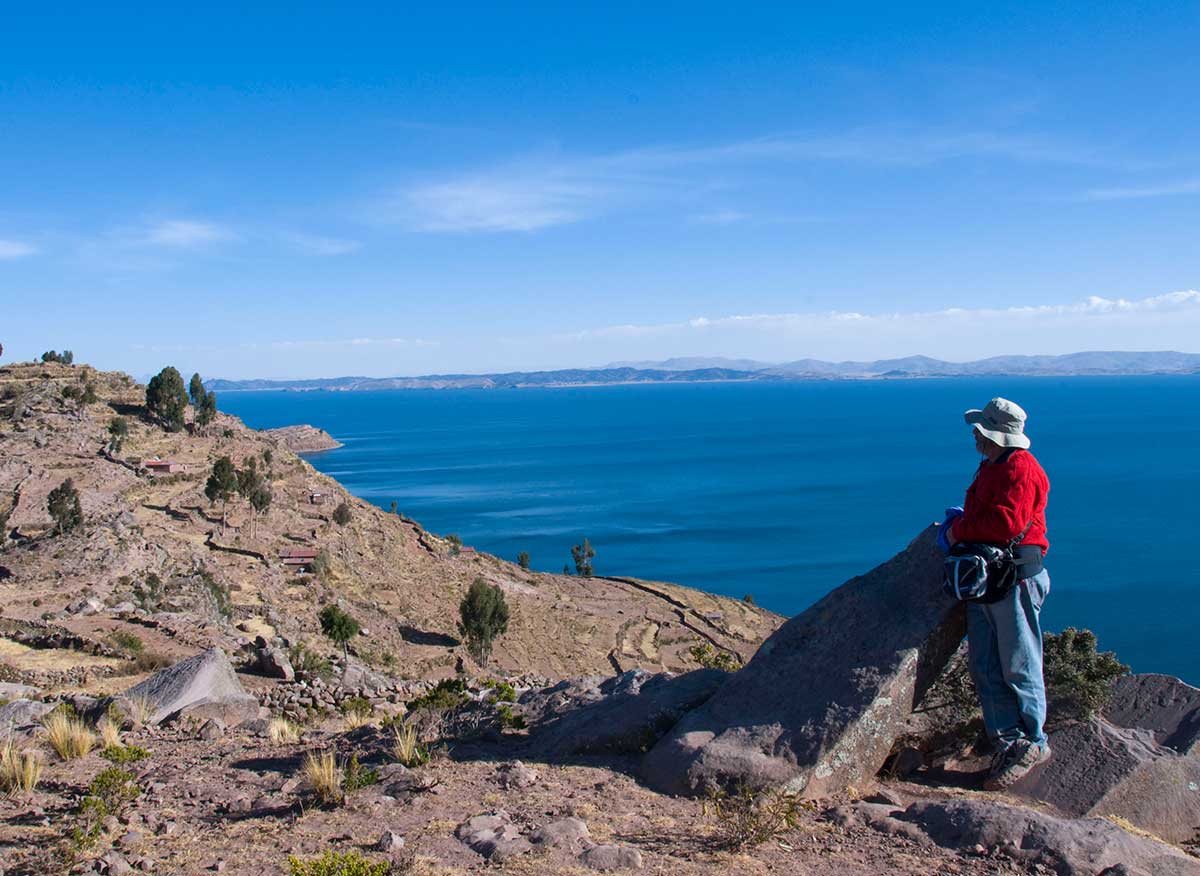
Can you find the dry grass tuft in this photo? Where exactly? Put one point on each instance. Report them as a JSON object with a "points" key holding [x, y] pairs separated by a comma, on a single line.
{"points": [[110, 733], [282, 731], [405, 747], [69, 736], [140, 711], [323, 774], [19, 770]]}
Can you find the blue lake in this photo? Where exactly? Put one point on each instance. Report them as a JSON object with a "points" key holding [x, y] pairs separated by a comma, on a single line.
{"points": [[784, 490]]}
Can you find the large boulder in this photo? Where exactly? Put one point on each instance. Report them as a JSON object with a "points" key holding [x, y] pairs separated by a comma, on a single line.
{"points": [[624, 714], [1066, 847], [1164, 705], [1098, 769], [820, 704], [203, 687]]}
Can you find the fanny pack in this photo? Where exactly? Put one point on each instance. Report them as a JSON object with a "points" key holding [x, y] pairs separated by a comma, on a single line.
{"points": [[974, 572]]}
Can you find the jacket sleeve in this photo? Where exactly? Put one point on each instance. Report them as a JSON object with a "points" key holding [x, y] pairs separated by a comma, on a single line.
{"points": [[1002, 507]]}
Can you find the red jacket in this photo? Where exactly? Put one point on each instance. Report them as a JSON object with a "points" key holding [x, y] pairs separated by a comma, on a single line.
{"points": [[1001, 500]]}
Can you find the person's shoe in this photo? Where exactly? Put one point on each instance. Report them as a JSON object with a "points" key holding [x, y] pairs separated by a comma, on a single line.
{"points": [[1014, 763]]}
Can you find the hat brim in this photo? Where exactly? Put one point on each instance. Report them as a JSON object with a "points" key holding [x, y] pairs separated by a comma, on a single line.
{"points": [[1004, 439]]}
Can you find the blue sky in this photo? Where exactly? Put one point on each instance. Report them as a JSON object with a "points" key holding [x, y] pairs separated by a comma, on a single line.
{"points": [[306, 191]]}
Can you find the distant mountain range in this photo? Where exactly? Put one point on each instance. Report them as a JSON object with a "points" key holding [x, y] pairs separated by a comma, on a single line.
{"points": [[702, 370]]}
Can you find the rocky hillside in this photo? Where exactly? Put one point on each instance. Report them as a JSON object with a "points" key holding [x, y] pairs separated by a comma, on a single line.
{"points": [[153, 556]]}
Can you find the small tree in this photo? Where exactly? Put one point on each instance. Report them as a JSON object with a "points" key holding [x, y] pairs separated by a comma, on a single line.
{"points": [[583, 554], [395, 507], [166, 399], [67, 357], [260, 500], [63, 505], [88, 397], [206, 410], [222, 484], [483, 616], [322, 565], [118, 431], [341, 514], [338, 626], [196, 389], [523, 559]]}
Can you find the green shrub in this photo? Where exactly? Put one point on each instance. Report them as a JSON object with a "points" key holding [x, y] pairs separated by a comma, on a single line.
{"points": [[338, 625], [709, 658], [502, 691], [449, 693], [115, 788], [124, 753], [127, 642], [148, 594], [1078, 678], [508, 720], [357, 776], [523, 559], [338, 864], [342, 514], [583, 554], [306, 660], [63, 505]]}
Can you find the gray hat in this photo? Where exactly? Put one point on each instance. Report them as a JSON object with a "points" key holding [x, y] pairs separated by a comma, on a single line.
{"points": [[1002, 421]]}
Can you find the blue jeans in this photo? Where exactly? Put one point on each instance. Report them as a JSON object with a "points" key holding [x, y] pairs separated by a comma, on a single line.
{"points": [[1004, 641]]}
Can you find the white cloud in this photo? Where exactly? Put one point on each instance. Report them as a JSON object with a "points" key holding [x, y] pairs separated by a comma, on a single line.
{"points": [[15, 249], [1162, 190], [182, 233], [1169, 320]]}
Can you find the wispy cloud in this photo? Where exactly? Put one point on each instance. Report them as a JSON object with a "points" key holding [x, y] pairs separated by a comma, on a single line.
{"points": [[1093, 306], [1161, 190], [181, 233], [16, 249], [312, 244], [720, 217], [545, 191]]}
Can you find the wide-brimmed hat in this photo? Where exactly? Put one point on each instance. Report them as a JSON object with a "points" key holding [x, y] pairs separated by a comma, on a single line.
{"points": [[1002, 421]]}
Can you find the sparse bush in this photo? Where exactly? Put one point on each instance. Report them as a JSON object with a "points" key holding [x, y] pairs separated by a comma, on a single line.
{"points": [[509, 720], [306, 660], [148, 594], [127, 642], [449, 693], [222, 601], [710, 658], [356, 712], [342, 514], [322, 565], [281, 731], [1078, 678], [124, 753], [115, 788], [523, 560], [483, 615], [356, 776], [69, 736], [339, 626], [749, 818], [140, 710], [19, 770], [118, 431], [338, 864], [88, 396], [583, 554], [502, 691], [407, 750], [63, 505], [748, 599], [323, 774]]}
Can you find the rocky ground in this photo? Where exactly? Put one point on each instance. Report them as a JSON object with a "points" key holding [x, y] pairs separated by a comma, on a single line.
{"points": [[175, 620]]}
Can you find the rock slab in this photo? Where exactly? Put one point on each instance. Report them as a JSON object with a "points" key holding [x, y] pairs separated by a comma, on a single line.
{"points": [[203, 686], [1098, 769], [1162, 704], [1067, 847], [819, 705]]}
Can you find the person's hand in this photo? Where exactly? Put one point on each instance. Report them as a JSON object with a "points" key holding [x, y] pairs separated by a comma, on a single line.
{"points": [[945, 533]]}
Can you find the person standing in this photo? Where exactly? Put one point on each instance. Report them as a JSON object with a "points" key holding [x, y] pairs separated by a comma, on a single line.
{"points": [[1007, 502]]}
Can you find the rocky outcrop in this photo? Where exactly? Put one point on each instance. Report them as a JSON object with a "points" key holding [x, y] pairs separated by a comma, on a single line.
{"points": [[1098, 769], [202, 687], [1162, 704], [820, 704], [624, 714], [1066, 847], [1137, 762], [303, 439]]}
